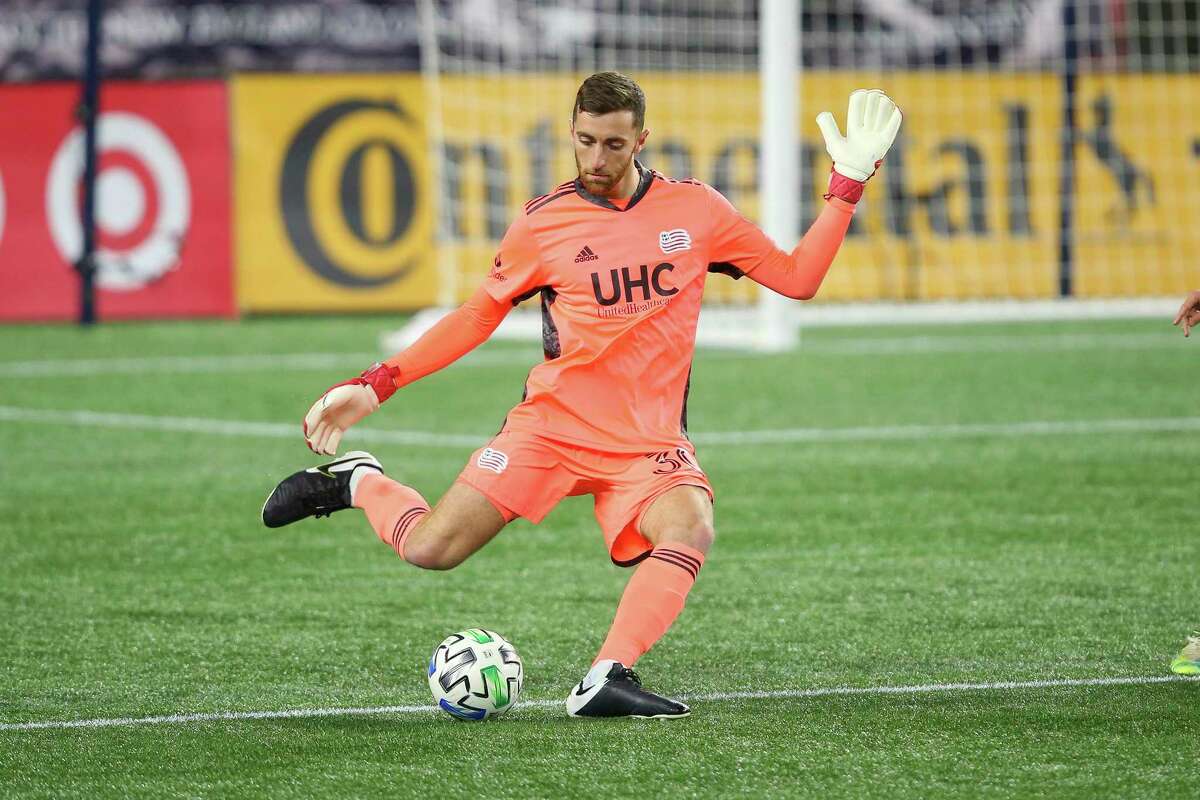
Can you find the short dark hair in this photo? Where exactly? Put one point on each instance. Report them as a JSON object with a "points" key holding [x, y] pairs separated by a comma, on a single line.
{"points": [[606, 92]]}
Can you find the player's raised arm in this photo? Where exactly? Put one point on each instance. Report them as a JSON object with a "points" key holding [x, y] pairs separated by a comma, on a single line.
{"points": [[872, 122], [515, 270]]}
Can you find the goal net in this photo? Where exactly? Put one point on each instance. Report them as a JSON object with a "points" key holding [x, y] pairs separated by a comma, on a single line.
{"points": [[1050, 150]]}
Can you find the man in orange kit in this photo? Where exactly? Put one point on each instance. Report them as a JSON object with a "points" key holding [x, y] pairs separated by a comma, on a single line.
{"points": [[619, 256]]}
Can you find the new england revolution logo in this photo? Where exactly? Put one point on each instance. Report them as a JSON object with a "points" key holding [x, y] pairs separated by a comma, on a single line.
{"points": [[493, 460], [674, 241]]}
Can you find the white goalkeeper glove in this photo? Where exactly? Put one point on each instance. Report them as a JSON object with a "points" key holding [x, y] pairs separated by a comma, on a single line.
{"points": [[344, 405], [872, 122]]}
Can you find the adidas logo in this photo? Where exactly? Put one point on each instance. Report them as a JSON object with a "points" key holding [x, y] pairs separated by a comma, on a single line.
{"points": [[586, 254]]}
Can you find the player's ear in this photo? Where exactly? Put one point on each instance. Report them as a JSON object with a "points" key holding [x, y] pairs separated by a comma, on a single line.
{"points": [[641, 141]]}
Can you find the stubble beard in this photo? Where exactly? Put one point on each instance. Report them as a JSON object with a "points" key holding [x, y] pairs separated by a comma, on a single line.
{"points": [[606, 188]]}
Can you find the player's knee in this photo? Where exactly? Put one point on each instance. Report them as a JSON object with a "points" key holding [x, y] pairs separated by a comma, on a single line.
{"points": [[432, 553], [703, 536], [698, 534]]}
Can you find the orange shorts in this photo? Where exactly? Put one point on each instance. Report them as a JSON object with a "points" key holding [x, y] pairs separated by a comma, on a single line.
{"points": [[527, 475]]}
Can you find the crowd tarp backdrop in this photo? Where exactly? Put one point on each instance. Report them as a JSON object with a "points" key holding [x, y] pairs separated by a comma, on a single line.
{"points": [[44, 39]]}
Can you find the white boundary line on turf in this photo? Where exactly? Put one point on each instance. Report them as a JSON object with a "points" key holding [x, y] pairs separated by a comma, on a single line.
{"points": [[296, 362], [366, 435], [925, 312], [927, 344], [225, 427], [951, 431], [786, 694], [821, 345]]}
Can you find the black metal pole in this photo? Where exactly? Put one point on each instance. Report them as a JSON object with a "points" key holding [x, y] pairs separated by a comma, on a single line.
{"points": [[88, 107], [1066, 187]]}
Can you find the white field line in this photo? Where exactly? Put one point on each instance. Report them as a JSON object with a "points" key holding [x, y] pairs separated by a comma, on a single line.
{"points": [[295, 362], [290, 430], [291, 362], [225, 427], [300, 362], [952, 431], [918, 345], [785, 694]]}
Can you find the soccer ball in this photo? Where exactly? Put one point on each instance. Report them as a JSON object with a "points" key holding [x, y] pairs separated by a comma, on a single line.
{"points": [[475, 674]]}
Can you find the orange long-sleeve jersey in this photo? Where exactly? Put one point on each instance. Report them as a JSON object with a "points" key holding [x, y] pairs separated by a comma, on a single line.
{"points": [[620, 288]]}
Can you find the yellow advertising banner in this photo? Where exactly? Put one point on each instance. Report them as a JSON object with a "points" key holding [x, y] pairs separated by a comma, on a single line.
{"points": [[336, 196], [964, 206], [1137, 208], [332, 194]]}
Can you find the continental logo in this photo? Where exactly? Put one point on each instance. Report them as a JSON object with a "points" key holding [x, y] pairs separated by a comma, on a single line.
{"points": [[348, 192]]}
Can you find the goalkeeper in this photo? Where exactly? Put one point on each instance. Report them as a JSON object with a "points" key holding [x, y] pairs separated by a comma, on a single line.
{"points": [[619, 256]]}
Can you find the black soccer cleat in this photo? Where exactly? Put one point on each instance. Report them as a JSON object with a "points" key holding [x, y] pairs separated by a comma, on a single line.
{"points": [[618, 692], [315, 492]]}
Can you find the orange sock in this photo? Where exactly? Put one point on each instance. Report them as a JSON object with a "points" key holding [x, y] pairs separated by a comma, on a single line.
{"points": [[652, 600], [393, 509]]}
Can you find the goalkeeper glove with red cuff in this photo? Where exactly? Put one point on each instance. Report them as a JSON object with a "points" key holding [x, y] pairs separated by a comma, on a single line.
{"points": [[345, 404], [872, 122]]}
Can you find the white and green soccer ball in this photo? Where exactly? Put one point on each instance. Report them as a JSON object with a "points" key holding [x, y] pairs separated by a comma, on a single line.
{"points": [[475, 674]]}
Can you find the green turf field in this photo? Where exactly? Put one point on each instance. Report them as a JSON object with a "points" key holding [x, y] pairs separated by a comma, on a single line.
{"points": [[981, 505]]}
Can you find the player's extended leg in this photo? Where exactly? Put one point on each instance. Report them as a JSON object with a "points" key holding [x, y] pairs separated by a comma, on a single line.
{"points": [[463, 521], [680, 526]]}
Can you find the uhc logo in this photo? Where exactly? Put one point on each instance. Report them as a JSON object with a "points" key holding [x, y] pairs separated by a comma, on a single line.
{"points": [[623, 285], [586, 254]]}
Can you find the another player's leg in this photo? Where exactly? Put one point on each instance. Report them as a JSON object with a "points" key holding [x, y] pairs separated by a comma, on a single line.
{"points": [[680, 526], [463, 521], [1188, 660]]}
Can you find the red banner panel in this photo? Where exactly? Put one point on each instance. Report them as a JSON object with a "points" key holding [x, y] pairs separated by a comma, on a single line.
{"points": [[162, 201]]}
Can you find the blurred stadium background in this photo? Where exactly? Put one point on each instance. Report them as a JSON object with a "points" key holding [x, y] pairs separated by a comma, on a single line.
{"points": [[953, 560], [355, 156]]}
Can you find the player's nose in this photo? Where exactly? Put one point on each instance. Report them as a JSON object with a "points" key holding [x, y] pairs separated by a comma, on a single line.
{"points": [[598, 160]]}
